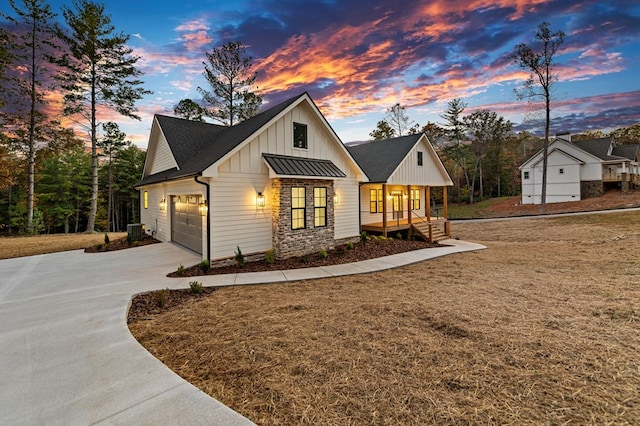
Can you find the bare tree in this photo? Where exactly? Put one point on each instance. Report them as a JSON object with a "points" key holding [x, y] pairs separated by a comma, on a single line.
{"points": [[539, 61], [229, 74], [398, 119]]}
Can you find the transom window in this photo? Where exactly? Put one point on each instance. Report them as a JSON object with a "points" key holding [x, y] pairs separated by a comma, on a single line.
{"points": [[320, 207], [300, 136], [415, 199], [375, 201], [419, 158], [298, 207]]}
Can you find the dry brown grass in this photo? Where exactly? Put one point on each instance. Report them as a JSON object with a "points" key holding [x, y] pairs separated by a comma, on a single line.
{"points": [[28, 246], [543, 327]]}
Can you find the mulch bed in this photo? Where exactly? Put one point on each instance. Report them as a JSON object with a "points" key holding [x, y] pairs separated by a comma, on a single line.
{"points": [[120, 244], [372, 249]]}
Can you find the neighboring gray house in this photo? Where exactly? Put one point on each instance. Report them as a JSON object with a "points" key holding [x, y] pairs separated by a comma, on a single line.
{"points": [[580, 169]]}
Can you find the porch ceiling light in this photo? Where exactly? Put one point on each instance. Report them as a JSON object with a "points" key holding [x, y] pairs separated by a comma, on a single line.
{"points": [[260, 201], [203, 208]]}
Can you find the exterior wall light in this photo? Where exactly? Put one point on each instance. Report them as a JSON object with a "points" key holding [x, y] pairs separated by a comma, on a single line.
{"points": [[163, 204], [203, 208], [335, 198], [260, 201]]}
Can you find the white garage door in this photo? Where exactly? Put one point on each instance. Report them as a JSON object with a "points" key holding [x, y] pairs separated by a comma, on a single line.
{"points": [[186, 223]]}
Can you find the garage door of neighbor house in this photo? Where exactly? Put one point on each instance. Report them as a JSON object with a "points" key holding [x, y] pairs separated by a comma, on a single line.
{"points": [[186, 223]]}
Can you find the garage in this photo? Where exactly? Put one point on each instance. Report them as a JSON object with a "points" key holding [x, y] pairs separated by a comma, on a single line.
{"points": [[186, 222]]}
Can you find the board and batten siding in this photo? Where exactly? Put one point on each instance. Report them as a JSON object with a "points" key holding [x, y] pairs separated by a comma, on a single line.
{"points": [[160, 158], [429, 174], [236, 221]]}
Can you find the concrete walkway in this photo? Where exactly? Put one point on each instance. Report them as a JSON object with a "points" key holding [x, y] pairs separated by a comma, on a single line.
{"points": [[66, 354]]}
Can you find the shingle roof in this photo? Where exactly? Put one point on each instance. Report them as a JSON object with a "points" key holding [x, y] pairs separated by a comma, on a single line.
{"points": [[196, 145], [379, 159], [295, 166], [627, 151], [598, 147]]}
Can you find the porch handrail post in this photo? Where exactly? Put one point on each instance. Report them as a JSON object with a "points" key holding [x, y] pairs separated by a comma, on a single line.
{"points": [[384, 210]]}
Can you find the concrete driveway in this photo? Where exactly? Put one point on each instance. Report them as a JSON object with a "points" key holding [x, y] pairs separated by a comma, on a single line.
{"points": [[66, 354]]}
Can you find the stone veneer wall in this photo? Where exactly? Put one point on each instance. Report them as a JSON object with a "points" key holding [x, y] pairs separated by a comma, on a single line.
{"points": [[288, 242], [591, 189]]}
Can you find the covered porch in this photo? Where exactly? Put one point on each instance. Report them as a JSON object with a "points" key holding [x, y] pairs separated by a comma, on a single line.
{"points": [[395, 208]]}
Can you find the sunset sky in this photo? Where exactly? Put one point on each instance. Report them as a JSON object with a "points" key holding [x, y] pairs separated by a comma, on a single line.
{"points": [[357, 58]]}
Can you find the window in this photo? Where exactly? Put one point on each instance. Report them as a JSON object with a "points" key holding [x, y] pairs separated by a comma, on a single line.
{"points": [[146, 199], [526, 175], [561, 171], [299, 135], [319, 207], [375, 201], [415, 199], [419, 158], [298, 208]]}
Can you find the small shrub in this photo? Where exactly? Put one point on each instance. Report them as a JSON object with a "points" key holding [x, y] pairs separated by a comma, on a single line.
{"points": [[270, 256], [363, 237], [161, 297], [106, 238], [204, 265], [304, 259], [129, 239], [180, 270], [240, 260], [196, 287], [323, 254], [399, 236], [349, 245], [341, 250]]}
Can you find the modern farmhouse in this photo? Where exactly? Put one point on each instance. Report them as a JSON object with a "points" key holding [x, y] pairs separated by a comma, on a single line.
{"points": [[281, 180], [580, 169]]}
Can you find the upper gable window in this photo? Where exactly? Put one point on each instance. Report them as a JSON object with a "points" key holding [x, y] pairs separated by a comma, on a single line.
{"points": [[300, 136], [526, 175], [419, 158]]}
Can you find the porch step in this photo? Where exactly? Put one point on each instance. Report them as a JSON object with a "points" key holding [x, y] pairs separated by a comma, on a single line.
{"points": [[422, 228]]}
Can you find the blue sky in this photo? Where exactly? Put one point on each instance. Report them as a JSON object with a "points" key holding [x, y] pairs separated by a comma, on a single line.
{"points": [[357, 58]]}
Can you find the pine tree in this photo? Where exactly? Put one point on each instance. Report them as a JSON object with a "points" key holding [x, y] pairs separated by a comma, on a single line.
{"points": [[99, 70]]}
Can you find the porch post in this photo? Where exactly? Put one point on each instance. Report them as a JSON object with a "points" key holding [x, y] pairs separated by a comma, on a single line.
{"points": [[384, 210], [427, 201], [409, 212], [447, 227]]}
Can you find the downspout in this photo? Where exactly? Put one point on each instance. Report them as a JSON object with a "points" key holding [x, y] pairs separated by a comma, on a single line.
{"points": [[208, 218]]}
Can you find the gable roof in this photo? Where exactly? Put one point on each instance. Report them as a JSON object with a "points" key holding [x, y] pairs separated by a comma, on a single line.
{"points": [[627, 151], [379, 159], [600, 148], [284, 165], [196, 145]]}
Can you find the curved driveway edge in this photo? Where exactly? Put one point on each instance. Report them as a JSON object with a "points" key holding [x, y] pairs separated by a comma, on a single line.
{"points": [[67, 356]]}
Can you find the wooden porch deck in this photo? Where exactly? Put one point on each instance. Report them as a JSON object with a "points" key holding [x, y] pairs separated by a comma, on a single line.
{"points": [[397, 224]]}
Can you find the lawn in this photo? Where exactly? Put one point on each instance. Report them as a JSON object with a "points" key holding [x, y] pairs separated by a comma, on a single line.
{"points": [[541, 327], [28, 246]]}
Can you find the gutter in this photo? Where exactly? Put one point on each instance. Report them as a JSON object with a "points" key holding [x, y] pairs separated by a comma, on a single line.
{"points": [[208, 218]]}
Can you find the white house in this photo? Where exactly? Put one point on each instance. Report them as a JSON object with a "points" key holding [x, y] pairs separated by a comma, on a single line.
{"points": [[268, 182], [579, 169], [281, 180]]}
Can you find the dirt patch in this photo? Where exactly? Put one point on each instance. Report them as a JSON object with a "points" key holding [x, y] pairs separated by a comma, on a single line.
{"points": [[612, 199], [374, 248], [541, 327]]}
